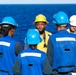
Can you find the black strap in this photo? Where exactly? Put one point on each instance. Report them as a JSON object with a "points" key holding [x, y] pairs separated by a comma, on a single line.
{"points": [[4, 71], [45, 45], [44, 40]]}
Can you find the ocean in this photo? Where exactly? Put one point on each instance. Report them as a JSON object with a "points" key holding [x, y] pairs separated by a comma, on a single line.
{"points": [[25, 14]]}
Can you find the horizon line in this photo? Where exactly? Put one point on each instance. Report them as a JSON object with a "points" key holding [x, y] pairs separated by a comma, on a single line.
{"points": [[33, 3]]}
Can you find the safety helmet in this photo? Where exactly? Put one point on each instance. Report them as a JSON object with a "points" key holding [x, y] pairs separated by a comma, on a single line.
{"points": [[32, 37], [40, 18], [60, 18], [9, 21], [73, 20]]}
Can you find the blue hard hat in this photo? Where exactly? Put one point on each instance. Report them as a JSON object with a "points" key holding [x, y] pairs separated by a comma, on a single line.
{"points": [[61, 18], [32, 37], [9, 20]]}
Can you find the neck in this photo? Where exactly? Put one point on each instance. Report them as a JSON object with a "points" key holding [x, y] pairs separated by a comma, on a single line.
{"points": [[42, 33], [0, 35], [33, 47], [11, 32], [71, 31]]}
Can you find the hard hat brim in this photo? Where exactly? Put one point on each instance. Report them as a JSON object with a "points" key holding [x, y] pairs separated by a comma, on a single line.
{"points": [[40, 21], [25, 41], [9, 24]]}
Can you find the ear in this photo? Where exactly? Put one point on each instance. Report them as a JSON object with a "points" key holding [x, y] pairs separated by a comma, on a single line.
{"points": [[12, 30], [45, 25]]}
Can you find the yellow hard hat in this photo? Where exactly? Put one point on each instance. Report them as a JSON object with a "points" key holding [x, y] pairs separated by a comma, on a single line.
{"points": [[40, 18]]}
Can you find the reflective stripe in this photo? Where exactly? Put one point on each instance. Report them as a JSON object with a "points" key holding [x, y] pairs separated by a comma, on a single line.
{"points": [[31, 54], [65, 39], [73, 73], [5, 43]]}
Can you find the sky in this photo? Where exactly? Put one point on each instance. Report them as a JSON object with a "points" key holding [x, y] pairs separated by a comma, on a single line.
{"points": [[37, 1]]}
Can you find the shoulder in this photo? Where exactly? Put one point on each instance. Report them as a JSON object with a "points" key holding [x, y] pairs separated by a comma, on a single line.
{"points": [[22, 53], [53, 35], [18, 43], [8, 39], [41, 52], [28, 52], [48, 33]]}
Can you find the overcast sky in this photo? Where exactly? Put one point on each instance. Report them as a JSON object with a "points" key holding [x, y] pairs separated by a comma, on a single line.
{"points": [[37, 1]]}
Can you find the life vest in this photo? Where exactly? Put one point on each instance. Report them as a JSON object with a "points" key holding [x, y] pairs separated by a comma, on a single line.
{"points": [[7, 55], [64, 45], [43, 45], [31, 61]]}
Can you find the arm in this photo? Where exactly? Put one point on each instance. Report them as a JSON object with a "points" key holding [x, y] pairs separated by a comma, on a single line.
{"points": [[17, 68], [18, 48], [47, 70], [26, 46], [50, 52]]}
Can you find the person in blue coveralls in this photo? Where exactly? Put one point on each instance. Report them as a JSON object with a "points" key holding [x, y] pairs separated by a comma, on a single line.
{"points": [[72, 30], [9, 47], [62, 47], [32, 61]]}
